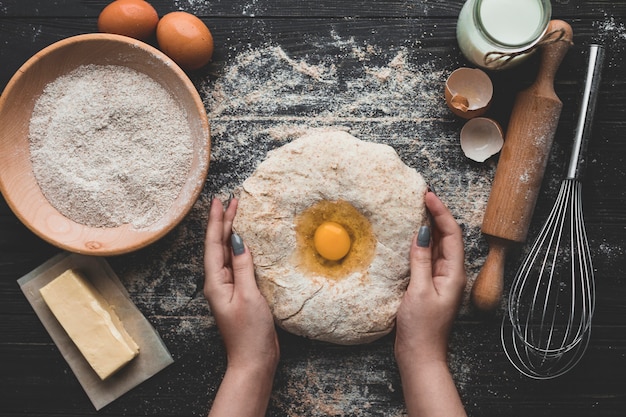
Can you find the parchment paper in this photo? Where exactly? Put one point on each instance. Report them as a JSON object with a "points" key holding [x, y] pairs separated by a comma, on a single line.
{"points": [[153, 354]]}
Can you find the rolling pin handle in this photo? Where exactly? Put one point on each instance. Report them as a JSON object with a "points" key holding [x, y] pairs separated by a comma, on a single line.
{"points": [[489, 284], [552, 54]]}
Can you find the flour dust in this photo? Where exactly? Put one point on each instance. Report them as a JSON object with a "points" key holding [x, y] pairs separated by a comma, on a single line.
{"points": [[265, 98]]}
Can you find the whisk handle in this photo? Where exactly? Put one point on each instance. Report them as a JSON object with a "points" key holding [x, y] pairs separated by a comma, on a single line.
{"points": [[587, 110]]}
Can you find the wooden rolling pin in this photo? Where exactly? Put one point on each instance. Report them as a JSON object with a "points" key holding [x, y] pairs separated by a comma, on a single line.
{"points": [[520, 170]]}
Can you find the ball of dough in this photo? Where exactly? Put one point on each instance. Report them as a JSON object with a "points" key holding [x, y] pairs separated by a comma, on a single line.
{"points": [[365, 187]]}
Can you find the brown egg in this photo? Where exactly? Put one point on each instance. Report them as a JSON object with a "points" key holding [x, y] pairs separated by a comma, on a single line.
{"points": [[186, 39], [134, 18]]}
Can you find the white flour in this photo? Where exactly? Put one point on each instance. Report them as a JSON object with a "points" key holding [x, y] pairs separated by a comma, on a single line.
{"points": [[109, 146]]}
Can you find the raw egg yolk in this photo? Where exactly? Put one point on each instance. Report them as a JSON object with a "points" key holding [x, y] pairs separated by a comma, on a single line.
{"points": [[331, 241]]}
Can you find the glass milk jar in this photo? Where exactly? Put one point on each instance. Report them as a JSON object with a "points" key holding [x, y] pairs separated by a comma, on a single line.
{"points": [[497, 34]]}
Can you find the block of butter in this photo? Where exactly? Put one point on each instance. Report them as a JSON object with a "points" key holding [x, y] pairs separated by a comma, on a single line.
{"points": [[90, 322]]}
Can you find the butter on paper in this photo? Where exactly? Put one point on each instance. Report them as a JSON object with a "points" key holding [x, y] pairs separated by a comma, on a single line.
{"points": [[153, 356], [90, 321]]}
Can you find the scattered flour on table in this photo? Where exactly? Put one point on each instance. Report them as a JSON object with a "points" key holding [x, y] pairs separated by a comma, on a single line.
{"points": [[612, 34], [265, 98], [191, 6], [109, 146], [611, 29]]}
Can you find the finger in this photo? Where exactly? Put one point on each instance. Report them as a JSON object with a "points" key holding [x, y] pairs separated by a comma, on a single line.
{"points": [[216, 274], [214, 242], [229, 217], [243, 267], [447, 230], [227, 227], [421, 260], [442, 218], [448, 240]]}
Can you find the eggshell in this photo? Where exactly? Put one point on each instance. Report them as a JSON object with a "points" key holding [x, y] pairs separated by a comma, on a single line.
{"points": [[185, 39], [468, 92], [481, 138], [134, 18]]}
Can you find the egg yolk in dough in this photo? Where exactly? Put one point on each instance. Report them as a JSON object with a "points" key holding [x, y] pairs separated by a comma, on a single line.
{"points": [[331, 241], [351, 253]]}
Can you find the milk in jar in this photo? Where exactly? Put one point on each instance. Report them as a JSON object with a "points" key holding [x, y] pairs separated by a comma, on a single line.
{"points": [[497, 34]]}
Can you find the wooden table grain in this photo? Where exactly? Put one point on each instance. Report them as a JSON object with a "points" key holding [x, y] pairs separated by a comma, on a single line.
{"points": [[319, 379]]}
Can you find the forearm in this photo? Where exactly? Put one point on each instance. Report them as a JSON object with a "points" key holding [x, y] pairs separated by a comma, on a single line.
{"points": [[429, 389], [244, 392]]}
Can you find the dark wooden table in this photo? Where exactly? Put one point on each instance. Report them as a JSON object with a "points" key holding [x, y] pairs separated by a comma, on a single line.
{"points": [[279, 47]]}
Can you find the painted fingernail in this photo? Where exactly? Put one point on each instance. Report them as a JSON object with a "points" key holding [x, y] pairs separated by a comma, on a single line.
{"points": [[423, 237], [237, 244], [431, 189]]}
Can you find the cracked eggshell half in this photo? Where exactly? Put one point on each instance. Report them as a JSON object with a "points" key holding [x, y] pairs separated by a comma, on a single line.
{"points": [[481, 138], [468, 92]]}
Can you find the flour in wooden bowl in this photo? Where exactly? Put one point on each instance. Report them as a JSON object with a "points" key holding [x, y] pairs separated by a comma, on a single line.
{"points": [[109, 146]]}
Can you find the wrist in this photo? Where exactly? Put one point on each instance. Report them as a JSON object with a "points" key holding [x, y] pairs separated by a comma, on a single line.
{"points": [[419, 357], [425, 366], [252, 381], [429, 388], [265, 368]]}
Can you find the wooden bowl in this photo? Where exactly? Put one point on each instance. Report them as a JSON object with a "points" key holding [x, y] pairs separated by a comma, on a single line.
{"points": [[17, 181]]}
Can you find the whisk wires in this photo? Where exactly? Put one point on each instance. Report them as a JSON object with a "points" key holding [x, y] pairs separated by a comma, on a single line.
{"points": [[551, 301]]}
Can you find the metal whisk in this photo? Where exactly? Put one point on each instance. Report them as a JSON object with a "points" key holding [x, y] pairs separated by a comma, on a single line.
{"points": [[548, 323]]}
